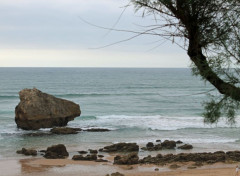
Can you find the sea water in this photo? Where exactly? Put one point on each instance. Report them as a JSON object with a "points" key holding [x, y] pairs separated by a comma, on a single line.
{"points": [[137, 104]]}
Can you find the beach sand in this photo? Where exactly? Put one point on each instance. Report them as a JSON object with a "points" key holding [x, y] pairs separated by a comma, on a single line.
{"points": [[56, 167]]}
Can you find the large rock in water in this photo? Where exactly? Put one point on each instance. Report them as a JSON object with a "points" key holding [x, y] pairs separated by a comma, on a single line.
{"points": [[40, 110]]}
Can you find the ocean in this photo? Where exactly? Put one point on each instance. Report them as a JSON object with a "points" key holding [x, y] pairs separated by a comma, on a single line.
{"points": [[138, 104]]}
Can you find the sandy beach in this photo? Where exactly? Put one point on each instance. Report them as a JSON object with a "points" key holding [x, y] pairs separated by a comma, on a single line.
{"points": [[43, 167]]}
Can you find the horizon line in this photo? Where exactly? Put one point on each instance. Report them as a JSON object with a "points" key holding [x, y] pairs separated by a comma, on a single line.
{"points": [[91, 67]]}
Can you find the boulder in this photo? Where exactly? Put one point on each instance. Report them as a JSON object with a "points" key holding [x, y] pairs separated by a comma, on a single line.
{"points": [[129, 159], [27, 152], [121, 147], [101, 160], [186, 147], [92, 157], [65, 130], [150, 145], [56, 152], [115, 174], [82, 152], [40, 110], [97, 130], [168, 144], [93, 151]]}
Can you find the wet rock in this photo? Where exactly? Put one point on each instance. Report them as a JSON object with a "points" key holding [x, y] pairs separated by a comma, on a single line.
{"points": [[192, 167], [179, 142], [101, 160], [156, 169], [208, 158], [92, 157], [93, 151], [42, 151], [82, 152], [56, 152], [158, 140], [27, 152], [186, 147], [121, 147], [198, 164], [168, 144], [65, 130], [129, 159], [174, 166], [115, 174], [97, 130], [40, 110], [100, 156], [150, 145]]}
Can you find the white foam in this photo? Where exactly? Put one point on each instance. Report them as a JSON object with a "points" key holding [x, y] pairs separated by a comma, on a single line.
{"points": [[156, 122]]}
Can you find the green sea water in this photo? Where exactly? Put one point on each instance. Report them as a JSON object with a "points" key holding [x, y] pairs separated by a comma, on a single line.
{"points": [[138, 105]]}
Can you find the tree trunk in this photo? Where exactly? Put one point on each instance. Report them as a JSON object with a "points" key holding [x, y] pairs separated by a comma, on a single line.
{"points": [[196, 55]]}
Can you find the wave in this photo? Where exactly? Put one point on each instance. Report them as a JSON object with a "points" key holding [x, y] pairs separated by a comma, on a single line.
{"points": [[101, 95], [9, 96], [206, 140], [154, 123]]}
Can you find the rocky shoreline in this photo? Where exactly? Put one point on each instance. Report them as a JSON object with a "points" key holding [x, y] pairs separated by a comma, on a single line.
{"points": [[127, 154]]}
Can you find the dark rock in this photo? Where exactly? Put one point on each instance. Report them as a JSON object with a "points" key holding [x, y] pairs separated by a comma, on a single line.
{"points": [[129, 159], [65, 130], [27, 152], [93, 151], [150, 145], [186, 147], [101, 160], [100, 150], [198, 164], [92, 157], [40, 110], [158, 147], [100, 156], [42, 151], [121, 147], [174, 166], [192, 167], [179, 142], [168, 144], [158, 140], [97, 130], [192, 157], [82, 152], [156, 169], [115, 174], [56, 151]]}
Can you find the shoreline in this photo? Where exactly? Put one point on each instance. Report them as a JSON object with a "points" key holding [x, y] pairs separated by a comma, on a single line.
{"points": [[42, 167]]}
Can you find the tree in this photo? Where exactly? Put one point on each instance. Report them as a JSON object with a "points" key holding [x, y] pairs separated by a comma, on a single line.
{"points": [[209, 30]]}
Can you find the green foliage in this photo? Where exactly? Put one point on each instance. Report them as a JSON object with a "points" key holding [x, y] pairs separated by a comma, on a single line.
{"points": [[218, 107]]}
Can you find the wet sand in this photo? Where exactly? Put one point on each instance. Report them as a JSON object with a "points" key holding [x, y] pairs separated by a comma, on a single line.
{"points": [[54, 167]]}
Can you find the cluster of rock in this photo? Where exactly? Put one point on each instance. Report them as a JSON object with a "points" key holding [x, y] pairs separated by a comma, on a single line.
{"points": [[115, 174], [199, 158], [121, 147], [40, 110], [89, 157], [27, 152], [56, 152], [129, 159], [167, 144], [65, 130]]}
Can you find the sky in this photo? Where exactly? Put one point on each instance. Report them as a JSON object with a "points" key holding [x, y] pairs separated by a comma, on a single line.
{"points": [[54, 33]]}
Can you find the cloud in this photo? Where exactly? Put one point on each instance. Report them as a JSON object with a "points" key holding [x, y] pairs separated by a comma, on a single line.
{"points": [[33, 28]]}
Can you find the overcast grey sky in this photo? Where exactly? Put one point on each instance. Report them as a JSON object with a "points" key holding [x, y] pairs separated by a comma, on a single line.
{"points": [[50, 33]]}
